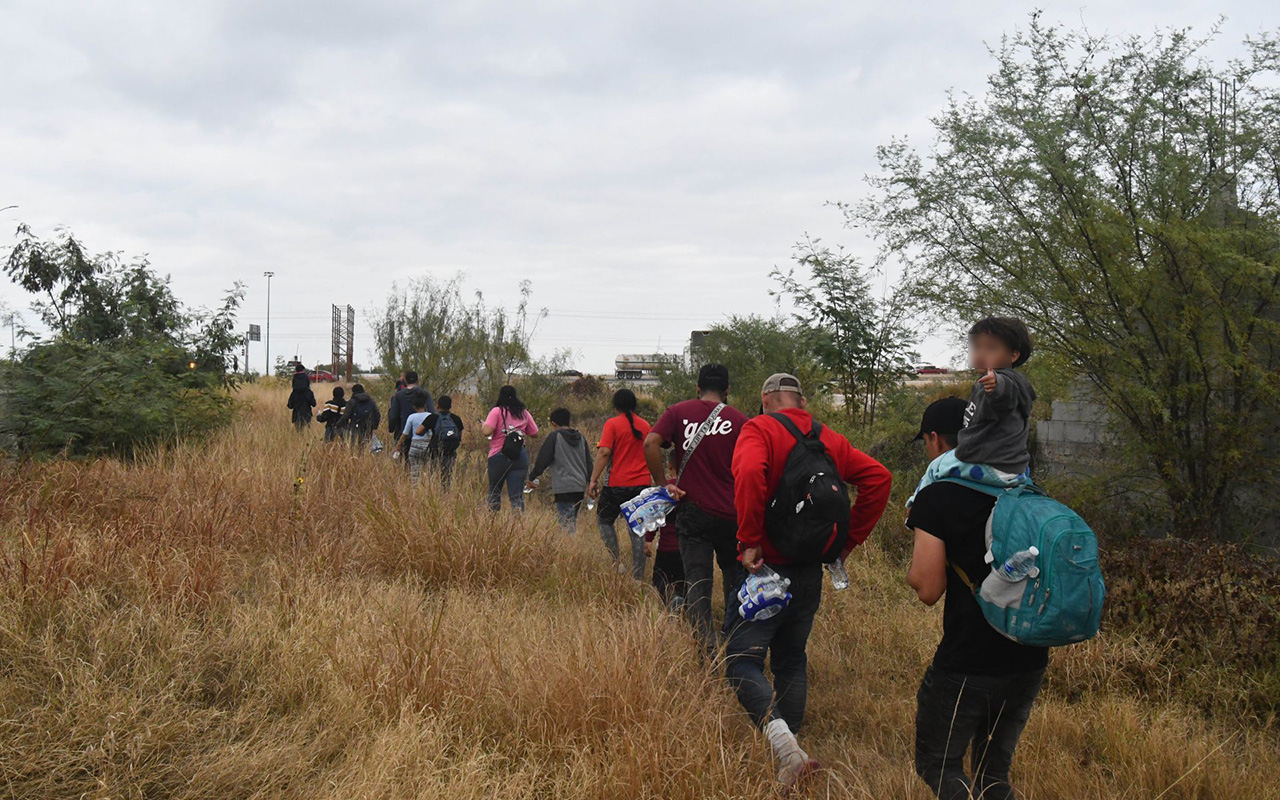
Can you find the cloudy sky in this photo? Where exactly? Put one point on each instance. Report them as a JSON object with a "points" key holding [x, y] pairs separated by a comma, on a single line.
{"points": [[644, 164]]}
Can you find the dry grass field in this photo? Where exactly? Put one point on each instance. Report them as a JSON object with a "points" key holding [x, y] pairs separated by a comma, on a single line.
{"points": [[265, 616]]}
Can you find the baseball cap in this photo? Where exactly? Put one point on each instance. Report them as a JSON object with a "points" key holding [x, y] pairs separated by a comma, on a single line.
{"points": [[942, 416], [781, 382], [714, 377]]}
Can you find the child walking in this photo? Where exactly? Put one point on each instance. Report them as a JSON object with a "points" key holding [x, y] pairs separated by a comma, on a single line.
{"points": [[418, 442]]}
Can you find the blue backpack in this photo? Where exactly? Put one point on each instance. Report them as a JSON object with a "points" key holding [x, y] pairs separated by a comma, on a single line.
{"points": [[1060, 605]]}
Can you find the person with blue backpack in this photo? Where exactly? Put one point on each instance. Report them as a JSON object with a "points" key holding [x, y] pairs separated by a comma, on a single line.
{"points": [[445, 429], [1020, 574]]}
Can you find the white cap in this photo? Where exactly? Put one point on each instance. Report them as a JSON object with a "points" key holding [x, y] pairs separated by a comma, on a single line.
{"points": [[1033, 550]]}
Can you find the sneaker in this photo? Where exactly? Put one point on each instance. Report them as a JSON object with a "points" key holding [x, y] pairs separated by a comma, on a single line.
{"points": [[792, 774]]}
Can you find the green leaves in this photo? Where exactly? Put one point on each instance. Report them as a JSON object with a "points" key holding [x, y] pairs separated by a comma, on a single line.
{"points": [[1120, 195], [115, 376]]}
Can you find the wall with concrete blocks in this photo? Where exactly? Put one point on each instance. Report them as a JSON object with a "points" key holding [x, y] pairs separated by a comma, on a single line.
{"points": [[1077, 436]]}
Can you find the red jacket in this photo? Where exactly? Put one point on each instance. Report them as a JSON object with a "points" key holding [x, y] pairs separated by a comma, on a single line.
{"points": [[761, 456]]}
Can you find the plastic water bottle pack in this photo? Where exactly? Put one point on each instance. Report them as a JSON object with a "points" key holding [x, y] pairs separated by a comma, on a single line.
{"points": [[763, 595], [648, 510]]}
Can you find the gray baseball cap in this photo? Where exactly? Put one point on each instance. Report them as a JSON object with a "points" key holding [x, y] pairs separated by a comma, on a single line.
{"points": [[782, 382]]}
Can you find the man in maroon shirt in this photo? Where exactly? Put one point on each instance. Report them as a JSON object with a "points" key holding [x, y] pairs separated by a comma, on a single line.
{"points": [[758, 464], [706, 527]]}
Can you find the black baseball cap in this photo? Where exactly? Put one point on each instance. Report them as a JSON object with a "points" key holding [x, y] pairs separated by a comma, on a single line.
{"points": [[714, 377], [942, 416]]}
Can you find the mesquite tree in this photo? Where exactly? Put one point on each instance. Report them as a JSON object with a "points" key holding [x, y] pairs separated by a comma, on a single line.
{"points": [[1120, 195]]}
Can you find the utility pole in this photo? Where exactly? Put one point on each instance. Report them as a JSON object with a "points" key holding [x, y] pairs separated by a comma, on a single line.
{"points": [[270, 275]]}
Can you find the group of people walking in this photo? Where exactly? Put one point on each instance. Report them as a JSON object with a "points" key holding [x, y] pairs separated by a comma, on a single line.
{"points": [[771, 495]]}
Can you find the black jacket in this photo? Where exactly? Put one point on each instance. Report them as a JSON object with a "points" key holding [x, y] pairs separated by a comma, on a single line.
{"points": [[361, 407], [402, 407]]}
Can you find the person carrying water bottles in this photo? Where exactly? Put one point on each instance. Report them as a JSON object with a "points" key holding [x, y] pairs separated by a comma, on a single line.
{"points": [[790, 490], [508, 425], [621, 452], [701, 434], [981, 685]]}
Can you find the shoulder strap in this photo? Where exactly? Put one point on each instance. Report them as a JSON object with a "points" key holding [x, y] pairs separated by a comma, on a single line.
{"points": [[963, 577], [795, 431], [697, 438]]}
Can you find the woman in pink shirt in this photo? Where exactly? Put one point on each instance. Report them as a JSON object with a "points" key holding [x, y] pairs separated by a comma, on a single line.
{"points": [[508, 425]]}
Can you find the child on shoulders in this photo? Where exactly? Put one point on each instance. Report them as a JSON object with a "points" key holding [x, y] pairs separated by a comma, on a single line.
{"points": [[992, 446]]}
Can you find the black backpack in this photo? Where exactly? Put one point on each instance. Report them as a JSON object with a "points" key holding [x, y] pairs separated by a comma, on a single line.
{"points": [[445, 435], [360, 416], [810, 502], [513, 444]]}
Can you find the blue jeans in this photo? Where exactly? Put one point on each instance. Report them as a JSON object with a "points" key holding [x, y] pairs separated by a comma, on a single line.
{"points": [[504, 470], [783, 637], [567, 505], [989, 711]]}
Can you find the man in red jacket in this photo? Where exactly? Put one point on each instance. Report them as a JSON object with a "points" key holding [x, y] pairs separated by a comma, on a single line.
{"points": [[758, 464]]}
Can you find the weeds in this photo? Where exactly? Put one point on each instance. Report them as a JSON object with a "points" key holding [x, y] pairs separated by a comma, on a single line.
{"points": [[164, 633]]}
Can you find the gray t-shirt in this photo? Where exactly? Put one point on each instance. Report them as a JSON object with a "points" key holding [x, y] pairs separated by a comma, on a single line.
{"points": [[996, 425]]}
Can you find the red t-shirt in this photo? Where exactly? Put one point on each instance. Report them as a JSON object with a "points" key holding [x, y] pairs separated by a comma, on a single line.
{"points": [[708, 480], [628, 467]]}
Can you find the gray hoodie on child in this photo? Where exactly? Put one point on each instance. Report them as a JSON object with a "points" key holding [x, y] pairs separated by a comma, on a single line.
{"points": [[566, 453], [996, 425]]}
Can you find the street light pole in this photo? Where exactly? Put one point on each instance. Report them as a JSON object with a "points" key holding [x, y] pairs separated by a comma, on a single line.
{"points": [[267, 370]]}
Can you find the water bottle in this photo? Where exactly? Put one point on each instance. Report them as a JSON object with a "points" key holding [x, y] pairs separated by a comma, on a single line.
{"points": [[648, 510], [529, 489], [1021, 565], [839, 575], [763, 595]]}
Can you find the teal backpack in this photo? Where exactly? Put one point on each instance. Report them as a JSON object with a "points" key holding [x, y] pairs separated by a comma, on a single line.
{"points": [[1060, 605]]}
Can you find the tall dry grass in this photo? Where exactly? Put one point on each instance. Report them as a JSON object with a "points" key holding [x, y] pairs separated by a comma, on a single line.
{"points": [[265, 616]]}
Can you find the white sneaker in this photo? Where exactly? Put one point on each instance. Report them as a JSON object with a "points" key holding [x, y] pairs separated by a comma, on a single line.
{"points": [[794, 764]]}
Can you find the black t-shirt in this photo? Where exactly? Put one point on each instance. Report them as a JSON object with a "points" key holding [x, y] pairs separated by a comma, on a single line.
{"points": [[958, 516]]}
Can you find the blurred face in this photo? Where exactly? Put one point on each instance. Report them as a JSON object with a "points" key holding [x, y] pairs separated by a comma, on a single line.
{"points": [[990, 352], [935, 445]]}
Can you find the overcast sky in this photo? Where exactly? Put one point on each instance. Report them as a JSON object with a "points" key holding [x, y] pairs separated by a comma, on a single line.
{"points": [[644, 164]]}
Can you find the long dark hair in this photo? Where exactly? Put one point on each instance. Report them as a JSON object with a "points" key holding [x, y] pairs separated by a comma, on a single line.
{"points": [[624, 400], [509, 400]]}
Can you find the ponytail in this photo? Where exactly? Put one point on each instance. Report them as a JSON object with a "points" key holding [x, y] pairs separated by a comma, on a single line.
{"points": [[624, 401]]}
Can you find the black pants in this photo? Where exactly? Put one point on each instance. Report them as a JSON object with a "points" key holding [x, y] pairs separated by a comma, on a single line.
{"points": [[444, 460], [668, 574], [783, 637], [707, 540], [954, 710]]}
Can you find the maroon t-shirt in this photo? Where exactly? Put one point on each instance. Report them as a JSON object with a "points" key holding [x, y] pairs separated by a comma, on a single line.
{"points": [[708, 480]]}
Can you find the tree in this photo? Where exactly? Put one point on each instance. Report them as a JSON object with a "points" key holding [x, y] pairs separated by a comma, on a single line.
{"points": [[753, 348], [126, 366], [1121, 197], [431, 328], [864, 341]]}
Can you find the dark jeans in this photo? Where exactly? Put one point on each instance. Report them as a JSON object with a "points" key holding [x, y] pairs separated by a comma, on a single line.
{"points": [[783, 637], [504, 470], [989, 711], [444, 461], [668, 574], [567, 507], [706, 540]]}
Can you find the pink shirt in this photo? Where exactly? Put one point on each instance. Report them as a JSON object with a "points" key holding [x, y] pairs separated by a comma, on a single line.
{"points": [[500, 420]]}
